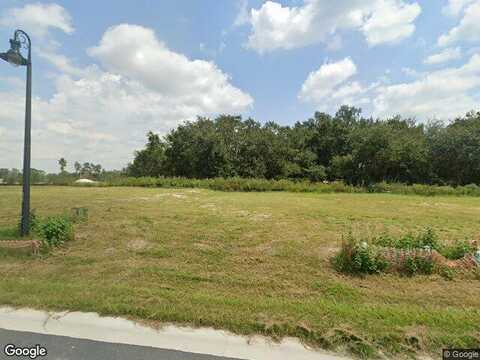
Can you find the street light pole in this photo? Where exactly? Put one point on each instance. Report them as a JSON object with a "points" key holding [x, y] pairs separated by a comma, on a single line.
{"points": [[14, 57], [25, 230]]}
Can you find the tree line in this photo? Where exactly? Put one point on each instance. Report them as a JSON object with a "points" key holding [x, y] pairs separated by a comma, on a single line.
{"points": [[345, 146], [86, 170]]}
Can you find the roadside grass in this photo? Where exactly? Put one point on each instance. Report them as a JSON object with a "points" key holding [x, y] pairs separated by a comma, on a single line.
{"points": [[251, 263]]}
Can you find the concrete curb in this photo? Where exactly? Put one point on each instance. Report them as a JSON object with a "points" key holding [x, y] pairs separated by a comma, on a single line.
{"points": [[90, 326]]}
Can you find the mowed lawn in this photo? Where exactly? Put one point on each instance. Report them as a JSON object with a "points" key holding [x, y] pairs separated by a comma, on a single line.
{"points": [[248, 262]]}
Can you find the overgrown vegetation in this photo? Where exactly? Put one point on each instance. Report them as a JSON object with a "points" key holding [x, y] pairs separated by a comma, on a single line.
{"points": [[457, 250], [410, 254], [262, 185], [423, 240], [55, 231], [359, 258], [52, 231]]}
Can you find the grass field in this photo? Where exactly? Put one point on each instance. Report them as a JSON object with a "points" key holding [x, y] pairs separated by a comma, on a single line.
{"points": [[248, 262]]}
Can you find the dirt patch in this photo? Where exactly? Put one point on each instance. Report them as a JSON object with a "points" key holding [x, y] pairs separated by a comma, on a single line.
{"points": [[155, 197], [253, 215], [179, 196], [261, 217], [212, 207], [138, 245], [159, 196], [203, 246]]}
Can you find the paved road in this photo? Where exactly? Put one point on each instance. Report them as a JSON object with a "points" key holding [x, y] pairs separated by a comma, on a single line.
{"points": [[65, 348]]}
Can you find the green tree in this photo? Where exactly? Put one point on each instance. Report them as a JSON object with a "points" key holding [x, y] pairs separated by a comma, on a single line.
{"points": [[394, 150], [345, 146], [194, 150], [38, 176], [455, 150], [149, 161], [78, 167], [63, 164], [14, 176]]}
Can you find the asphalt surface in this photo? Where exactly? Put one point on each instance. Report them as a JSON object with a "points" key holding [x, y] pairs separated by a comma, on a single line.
{"points": [[65, 348]]}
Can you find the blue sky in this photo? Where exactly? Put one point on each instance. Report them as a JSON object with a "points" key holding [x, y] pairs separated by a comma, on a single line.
{"points": [[106, 72]]}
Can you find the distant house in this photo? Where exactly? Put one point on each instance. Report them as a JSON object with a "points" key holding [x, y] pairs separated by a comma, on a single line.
{"points": [[2, 182]]}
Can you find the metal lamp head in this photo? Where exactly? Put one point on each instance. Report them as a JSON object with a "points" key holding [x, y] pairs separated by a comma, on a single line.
{"points": [[14, 56]]}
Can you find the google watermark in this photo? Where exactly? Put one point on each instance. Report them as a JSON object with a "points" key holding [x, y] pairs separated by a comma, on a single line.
{"points": [[464, 354], [32, 352]]}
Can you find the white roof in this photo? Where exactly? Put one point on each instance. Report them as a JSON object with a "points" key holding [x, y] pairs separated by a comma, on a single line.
{"points": [[85, 181]]}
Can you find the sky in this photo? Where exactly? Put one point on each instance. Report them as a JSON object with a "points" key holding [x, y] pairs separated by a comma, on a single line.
{"points": [[107, 72]]}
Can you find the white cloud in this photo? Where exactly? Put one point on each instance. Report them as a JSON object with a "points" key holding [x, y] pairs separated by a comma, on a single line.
{"points": [[281, 27], [320, 84], [444, 56], [196, 83], [390, 21], [468, 30], [348, 91], [61, 62], [455, 7], [38, 19], [102, 115], [443, 94]]}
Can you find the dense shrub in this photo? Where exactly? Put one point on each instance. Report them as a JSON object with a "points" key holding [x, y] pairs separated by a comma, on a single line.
{"points": [[457, 250], [424, 240], [357, 257], [56, 230], [409, 254], [249, 185], [417, 263]]}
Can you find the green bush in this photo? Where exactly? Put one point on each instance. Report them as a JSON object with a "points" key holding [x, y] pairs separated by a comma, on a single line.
{"points": [[381, 187], [359, 258], [424, 240], [457, 250], [417, 264], [56, 230], [409, 254]]}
